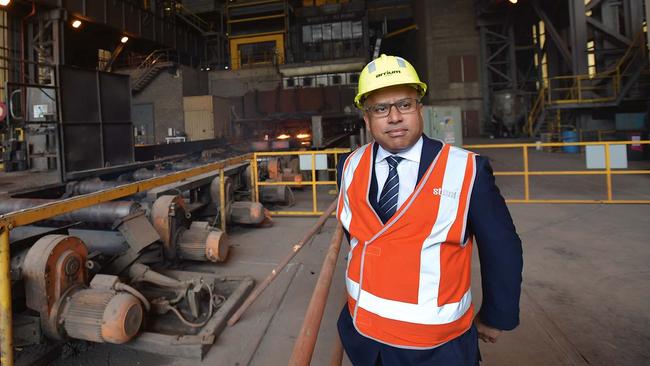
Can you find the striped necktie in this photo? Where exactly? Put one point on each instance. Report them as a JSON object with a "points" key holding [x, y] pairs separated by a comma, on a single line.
{"points": [[387, 204]]}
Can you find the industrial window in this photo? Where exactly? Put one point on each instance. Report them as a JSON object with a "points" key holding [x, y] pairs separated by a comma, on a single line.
{"points": [[462, 69]]}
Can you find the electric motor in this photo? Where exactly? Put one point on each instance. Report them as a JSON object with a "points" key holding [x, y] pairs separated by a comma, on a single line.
{"points": [[100, 315]]}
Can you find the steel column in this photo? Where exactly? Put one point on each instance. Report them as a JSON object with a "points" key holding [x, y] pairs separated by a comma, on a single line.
{"points": [[555, 35], [647, 19], [578, 30], [633, 16]]}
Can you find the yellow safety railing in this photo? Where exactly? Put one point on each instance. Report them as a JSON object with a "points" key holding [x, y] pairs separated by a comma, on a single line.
{"points": [[608, 172], [587, 135], [314, 182], [46, 211], [602, 87]]}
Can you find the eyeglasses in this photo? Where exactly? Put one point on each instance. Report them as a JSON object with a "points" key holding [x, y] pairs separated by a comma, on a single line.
{"points": [[406, 105]]}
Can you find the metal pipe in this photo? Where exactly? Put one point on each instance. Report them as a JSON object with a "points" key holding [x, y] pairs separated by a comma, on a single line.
{"points": [[142, 174], [295, 249], [104, 213], [6, 326], [222, 199], [303, 349], [90, 186]]}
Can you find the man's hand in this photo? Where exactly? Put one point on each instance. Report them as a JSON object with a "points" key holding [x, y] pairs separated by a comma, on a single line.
{"points": [[485, 332]]}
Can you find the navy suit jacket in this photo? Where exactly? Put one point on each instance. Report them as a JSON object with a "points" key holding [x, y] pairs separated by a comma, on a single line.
{"points": [[500, 254]]}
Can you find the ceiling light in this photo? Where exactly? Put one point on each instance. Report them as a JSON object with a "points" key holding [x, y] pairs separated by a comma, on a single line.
{"points": [[4, 2], [513, 1], [303, 136], [284, 136], [76, 24], [124, 39]]}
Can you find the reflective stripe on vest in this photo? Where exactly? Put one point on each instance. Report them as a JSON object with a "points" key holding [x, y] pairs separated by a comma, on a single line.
{"points": [[408, 281]]}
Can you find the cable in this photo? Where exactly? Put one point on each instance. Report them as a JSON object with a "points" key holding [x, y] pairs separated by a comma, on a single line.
{"points": [[134, 292], [196, 325]]}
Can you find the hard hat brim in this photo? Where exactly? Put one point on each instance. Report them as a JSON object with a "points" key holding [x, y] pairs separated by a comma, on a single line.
{"points": [[419, 86]]}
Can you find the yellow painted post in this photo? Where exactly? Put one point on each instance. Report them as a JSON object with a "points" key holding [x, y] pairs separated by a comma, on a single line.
{"points": [[222, 199], [255, 187], [608, 172], [579, 91], [526, 180], [252, 178], [336, 171], [6, 326], [313, 182]]}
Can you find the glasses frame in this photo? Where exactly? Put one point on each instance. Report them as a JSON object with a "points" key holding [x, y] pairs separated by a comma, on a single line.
{"points": [[390, 107]]}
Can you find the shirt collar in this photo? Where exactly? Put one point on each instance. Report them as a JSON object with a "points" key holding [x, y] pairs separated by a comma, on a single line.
{"points": [[412, 153]]}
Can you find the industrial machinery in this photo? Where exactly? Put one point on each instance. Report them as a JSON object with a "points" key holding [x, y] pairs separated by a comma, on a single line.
{"points": [[56, 284], [55, 274]]}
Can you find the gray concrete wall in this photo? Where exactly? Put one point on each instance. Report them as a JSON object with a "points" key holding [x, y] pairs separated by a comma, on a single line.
{"points": [[229, 83], [447, 28], [195, 82], [166, 92]]}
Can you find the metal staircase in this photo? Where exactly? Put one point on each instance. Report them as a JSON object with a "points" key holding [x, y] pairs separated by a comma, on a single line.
{"points": [[194, 20], [152, 66], [626, 79]]}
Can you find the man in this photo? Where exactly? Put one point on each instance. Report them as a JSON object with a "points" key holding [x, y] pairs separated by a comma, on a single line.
{"points": [[411, 207]]}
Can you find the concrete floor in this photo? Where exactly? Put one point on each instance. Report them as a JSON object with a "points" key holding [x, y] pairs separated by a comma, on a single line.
{"points": [[585, 292]]}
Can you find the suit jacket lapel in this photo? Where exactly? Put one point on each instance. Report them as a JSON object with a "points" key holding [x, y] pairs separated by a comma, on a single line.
{"points": [[430, 149], [372, 192]]}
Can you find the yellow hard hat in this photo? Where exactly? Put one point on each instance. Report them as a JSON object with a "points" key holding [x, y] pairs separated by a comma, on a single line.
{"points": [[387, 71]]}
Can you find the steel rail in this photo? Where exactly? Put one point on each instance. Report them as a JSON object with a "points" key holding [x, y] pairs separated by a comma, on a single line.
{"points": [[303, 349]]}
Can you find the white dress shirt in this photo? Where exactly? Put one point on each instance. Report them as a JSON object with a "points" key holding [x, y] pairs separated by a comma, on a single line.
{"points": [[407, 170]]}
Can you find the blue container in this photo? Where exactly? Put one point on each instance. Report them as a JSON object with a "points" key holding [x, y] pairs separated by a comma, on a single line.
{"points": [[570, 136]]}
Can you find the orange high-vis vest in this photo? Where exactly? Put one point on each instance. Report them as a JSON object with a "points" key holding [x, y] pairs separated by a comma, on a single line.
{"points": [[408, 280]]}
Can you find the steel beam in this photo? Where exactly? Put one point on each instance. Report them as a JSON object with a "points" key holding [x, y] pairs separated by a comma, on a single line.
{"points": [[105, 213], [557, 39], [592, 4], [578, 31], [647, 19], [609, 32], [633, 10], [485, 89]]}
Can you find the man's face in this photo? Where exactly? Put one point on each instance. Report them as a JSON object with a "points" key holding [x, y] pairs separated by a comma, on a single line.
{"points": [[397, 131]]}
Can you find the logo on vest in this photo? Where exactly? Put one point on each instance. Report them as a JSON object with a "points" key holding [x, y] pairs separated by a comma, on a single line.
{"points": [[445, 193]]}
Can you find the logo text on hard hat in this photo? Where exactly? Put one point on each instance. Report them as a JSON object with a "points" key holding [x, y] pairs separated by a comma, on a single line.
{"points": [[388, 73]]}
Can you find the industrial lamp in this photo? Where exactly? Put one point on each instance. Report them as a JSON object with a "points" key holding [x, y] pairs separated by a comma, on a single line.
{"points": [[124, 39], [4, 2], [76, 24]]}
